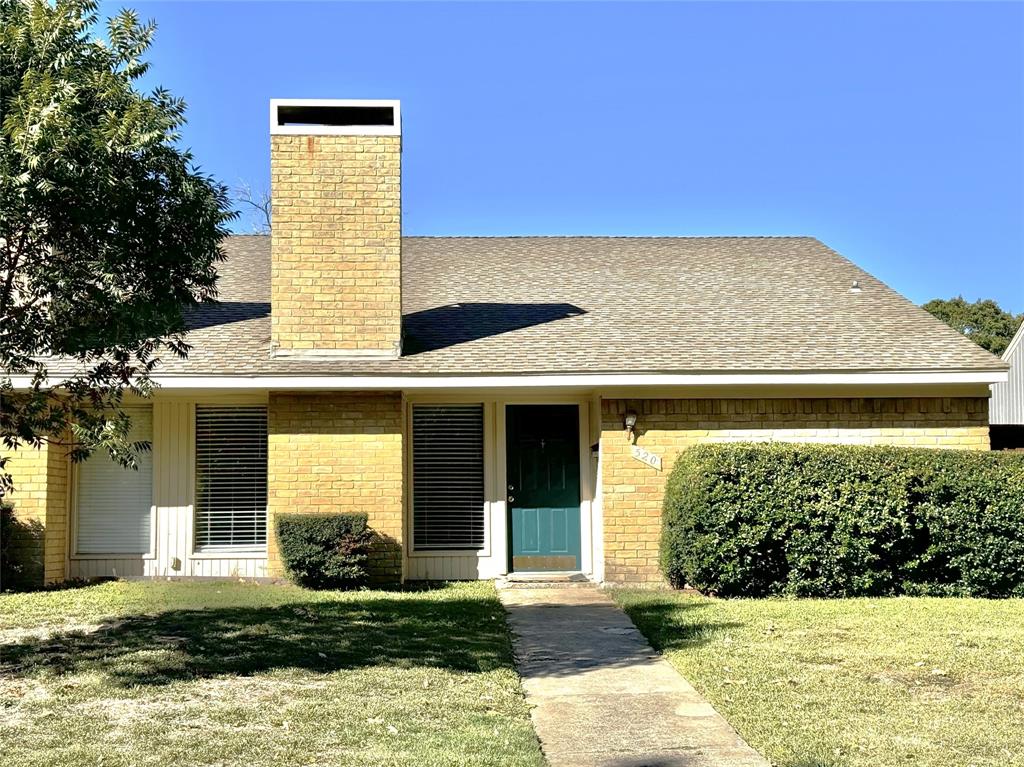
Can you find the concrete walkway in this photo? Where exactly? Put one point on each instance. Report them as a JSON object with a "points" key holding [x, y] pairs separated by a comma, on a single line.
{"points": [[600, 696]]}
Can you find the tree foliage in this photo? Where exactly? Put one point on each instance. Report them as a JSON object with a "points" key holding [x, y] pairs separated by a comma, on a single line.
{"points": [[983, 321], [108, 231]]}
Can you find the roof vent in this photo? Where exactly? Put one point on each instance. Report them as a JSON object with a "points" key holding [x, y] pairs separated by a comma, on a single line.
{"points": [[855, 287], [335, 117]]}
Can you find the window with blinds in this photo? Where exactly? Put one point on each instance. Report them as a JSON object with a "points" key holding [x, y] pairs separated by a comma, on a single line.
{"points": [[114, 505], [231, 478], [448, 477]]}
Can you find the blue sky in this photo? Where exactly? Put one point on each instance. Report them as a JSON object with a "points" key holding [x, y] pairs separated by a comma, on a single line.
{"points": [[893, 132]]}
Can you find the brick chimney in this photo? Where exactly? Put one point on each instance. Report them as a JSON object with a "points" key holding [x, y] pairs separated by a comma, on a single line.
{"points": [[336, 244]]}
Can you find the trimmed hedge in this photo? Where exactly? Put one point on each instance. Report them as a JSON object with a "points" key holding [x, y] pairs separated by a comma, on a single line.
{"points": [[325, 551], [754, 520]]}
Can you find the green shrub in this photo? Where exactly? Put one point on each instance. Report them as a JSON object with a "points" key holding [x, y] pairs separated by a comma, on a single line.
{"points": [[325, 551], [836, 521], [21, 551]]}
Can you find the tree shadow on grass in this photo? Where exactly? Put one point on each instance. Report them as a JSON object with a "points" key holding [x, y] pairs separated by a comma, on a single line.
{"points": [[456, 634], [672, 625], [556, 639]]}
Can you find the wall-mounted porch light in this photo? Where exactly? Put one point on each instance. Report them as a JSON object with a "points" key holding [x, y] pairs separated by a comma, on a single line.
{"points": [[630, 423]]}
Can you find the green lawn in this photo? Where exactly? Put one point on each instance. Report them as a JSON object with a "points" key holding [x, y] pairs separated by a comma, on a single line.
{"points": [[858, 683], [239, 674]]}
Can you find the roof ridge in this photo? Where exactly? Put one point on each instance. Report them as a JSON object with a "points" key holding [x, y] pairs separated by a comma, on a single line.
{"points": [[610, 236], [586, 236]]}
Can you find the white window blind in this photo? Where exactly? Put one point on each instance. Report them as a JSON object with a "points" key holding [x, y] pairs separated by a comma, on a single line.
{"points": [[448, 476], [231, 478], [114, 505]]}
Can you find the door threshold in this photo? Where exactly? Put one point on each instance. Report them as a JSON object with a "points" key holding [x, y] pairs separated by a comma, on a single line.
{"points": [[547, 576]]}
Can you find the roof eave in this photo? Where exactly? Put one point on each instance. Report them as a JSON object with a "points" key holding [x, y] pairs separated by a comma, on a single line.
{"points": [[558, 380]]}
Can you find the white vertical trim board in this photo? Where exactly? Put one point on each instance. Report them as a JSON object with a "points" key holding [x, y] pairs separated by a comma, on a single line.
{"points": [[596, 508], [173, 449]]}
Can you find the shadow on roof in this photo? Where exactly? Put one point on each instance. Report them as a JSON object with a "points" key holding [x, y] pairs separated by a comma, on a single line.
{"points": [[444, 326], [216, 313]]}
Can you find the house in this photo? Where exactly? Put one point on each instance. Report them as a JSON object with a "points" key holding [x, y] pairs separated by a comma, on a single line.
{"points": [[1007, 409], [495, 405]]}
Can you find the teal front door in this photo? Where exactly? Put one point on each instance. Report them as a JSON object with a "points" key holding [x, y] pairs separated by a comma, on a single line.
{"points": [[543, 469]]}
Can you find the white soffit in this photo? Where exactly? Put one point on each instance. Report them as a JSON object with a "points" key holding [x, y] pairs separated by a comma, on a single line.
{"points": [[394, 382]]}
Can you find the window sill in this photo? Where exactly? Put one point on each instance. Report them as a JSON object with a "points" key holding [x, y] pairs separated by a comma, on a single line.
{"points": [[475, 553], [120, 555], [247, 552]]}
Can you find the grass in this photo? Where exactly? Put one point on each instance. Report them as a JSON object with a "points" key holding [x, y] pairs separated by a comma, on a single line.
{"points": [[856, 683], [241, 674]]}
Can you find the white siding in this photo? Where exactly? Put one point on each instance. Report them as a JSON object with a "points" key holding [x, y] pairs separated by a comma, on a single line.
{"points": [[173, 460], [1007, 405], [118, 568], [115, 504], [224, 567], [447, 568]]}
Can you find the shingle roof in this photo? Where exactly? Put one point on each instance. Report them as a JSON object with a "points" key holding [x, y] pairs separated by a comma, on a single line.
{"points": [[514, 305]]}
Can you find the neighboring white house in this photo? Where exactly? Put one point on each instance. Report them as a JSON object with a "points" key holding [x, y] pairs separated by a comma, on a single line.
{"points": [[1006, 411]]}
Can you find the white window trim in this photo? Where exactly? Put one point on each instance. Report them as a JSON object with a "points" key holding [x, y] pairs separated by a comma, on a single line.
{"points": [[485, 551], [242, 551], [74, 496]]}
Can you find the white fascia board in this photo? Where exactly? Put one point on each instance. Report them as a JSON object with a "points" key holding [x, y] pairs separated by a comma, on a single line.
{"points": [[412, 383]]}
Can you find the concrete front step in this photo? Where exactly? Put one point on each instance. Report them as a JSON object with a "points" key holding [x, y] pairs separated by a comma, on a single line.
{"points": [[545, 581]]}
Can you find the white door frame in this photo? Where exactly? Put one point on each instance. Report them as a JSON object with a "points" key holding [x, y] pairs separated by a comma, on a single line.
{"points": [[492, 561]]}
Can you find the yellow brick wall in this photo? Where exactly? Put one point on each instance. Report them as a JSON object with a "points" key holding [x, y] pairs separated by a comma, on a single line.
{"points": [[40, 503], [632, 492], [336, 250], [338, 452], [58, 473]]}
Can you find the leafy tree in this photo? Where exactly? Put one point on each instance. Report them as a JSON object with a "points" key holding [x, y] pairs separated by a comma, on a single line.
{"points": [[984, 322], [108, 231]]}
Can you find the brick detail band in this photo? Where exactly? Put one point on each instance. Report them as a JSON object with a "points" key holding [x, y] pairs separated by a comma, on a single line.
{"points": [[632, 493]]}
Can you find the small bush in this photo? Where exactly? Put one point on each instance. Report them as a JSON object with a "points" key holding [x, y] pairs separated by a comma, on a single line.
{"points": [[837, 521], [21, 551], [325, 551]]}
